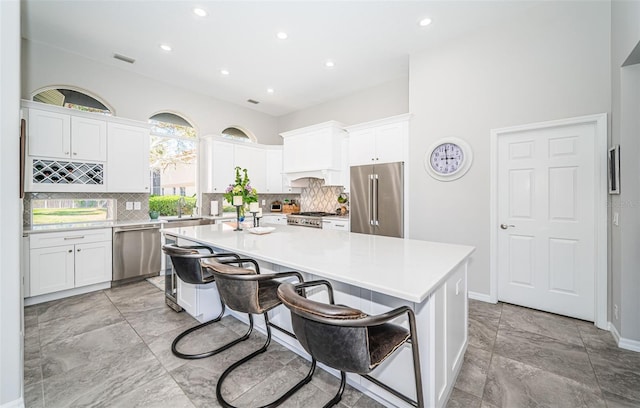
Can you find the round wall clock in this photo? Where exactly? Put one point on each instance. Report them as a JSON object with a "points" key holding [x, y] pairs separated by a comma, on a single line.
{"points": [[448, 159]]}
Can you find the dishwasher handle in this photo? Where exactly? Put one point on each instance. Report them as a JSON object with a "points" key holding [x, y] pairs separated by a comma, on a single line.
{"points": [[135, 228]]}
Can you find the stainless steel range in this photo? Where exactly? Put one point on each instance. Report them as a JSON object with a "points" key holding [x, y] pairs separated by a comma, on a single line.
{"points": [[307, 219]]}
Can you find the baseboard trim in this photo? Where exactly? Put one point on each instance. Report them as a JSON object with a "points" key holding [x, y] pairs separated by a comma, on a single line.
{"points": [[19, 403], [627, 344], [479, 296]]}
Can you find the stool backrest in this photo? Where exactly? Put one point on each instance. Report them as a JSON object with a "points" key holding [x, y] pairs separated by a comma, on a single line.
{"points": [[241, 295], [186, 263], [339, 346]]}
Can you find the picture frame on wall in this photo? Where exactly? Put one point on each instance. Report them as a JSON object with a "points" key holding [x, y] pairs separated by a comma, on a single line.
{"points": [[614, 170]]}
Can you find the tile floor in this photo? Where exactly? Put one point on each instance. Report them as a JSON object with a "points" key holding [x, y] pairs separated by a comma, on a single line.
{"points": [[112, 349]]}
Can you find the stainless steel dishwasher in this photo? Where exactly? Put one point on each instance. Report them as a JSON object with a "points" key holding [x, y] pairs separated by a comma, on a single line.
{"points": [[136, 252]]}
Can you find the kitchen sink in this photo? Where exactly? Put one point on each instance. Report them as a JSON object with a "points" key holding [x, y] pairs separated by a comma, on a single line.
{"points": [[176, 222]]}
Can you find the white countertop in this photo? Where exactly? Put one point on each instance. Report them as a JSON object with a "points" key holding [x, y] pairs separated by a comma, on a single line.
{"points": [[34, 229], [405, 268]]}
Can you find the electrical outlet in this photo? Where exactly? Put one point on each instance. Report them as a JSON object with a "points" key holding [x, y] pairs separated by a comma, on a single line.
{"points": [[264, 202], [137, 205], [129, 205], [616, 219], [615, 312]]}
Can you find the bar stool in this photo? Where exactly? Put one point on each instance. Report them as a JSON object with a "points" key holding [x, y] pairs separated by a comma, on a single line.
{"points": [[186, 263], [348, 339], [248, 291]]}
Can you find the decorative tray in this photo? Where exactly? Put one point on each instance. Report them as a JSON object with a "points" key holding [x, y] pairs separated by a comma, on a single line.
{"points": [[260, 230]]}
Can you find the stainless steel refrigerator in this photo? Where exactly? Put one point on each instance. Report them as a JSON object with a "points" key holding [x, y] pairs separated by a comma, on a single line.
{"points": [[377, 199]]}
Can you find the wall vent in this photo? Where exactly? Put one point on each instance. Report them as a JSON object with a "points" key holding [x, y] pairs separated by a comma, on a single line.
{"points": [[253, 101], [124, 58]]}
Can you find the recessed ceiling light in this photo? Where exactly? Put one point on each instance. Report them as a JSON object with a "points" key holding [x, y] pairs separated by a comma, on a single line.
{"points": [[282, 35], [165, 47], [224, 72], [329, 64], [200, 12], [270, 90], [424, 22]]}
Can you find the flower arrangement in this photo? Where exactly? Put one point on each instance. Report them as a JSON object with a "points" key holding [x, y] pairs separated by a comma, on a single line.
{"points": [[242, 188]]}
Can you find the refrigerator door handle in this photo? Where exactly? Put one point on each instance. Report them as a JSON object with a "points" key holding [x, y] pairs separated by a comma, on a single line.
{"points": [[371, 200], [375, 203]]}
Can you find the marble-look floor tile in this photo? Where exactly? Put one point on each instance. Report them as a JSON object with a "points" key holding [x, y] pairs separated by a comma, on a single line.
{"points": [[96, 383], [248, 375], [155, 322], [547, 324], [485, 310], [367, 402], [141, 303], [617, 376], [31, 347], [33, 395], [72, 306], [483, 332], [130, 291], [198, 383], [32, 371], [594, 338], [617, 401], [473, 373], [308, 396], [514, 384], [160, 393], [55, 330], [95, 345], [546, 353], [461, 399]]}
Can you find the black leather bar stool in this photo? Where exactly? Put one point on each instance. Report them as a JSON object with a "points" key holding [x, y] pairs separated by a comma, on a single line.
{"points": [[348, 339], [186, 263], [248, 291]]}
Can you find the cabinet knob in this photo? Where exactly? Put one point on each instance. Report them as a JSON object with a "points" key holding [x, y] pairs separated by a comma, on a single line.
{"points": [[78, 249], [146, 188], [66, 152], [70, 251], [75, 154], [377, 159]]}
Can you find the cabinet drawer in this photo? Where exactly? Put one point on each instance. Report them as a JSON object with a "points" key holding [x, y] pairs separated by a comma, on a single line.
{"points": [[51, 239]]}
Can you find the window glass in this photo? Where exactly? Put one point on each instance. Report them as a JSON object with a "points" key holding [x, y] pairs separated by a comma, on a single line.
{"points": [[236, 134], [69, 98], [174, 149], [59, 211]]}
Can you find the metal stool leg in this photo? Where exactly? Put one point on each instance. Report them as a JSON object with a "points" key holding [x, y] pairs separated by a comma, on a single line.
{"points": [[174, 345], [261, 350], [338, 396]]}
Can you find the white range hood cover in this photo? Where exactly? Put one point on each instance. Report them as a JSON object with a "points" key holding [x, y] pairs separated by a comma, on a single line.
{"points": [[301, 178]]}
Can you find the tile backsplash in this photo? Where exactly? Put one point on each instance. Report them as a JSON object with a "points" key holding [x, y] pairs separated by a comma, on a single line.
{"points": [[122, 214], [269, 198], [318, 197]]}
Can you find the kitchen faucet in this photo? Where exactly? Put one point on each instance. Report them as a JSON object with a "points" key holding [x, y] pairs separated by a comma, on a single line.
{"points": [[181, 204]]}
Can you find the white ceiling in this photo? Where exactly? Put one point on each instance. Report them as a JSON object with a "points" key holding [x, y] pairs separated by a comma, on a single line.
{"points": [[370, 42]]}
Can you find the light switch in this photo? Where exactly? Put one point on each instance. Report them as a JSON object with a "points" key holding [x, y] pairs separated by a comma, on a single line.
{"points": [[129, 205], [137, 206], [264, 202]]}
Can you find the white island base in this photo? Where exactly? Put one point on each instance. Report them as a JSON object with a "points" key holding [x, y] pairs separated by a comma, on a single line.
{"points": [[371, 281]]}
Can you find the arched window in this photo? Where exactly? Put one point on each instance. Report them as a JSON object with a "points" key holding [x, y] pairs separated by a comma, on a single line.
{"points": [[71, 98], [236, 133], [173, 161]]}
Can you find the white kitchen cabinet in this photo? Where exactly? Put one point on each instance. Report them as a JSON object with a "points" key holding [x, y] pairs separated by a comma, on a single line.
{"points": [[274, 219], [313, 148], [58, 135], [274, 171], [254, 159], [380, 141], [340, 225], [128, 159], [223, 166], [66, 260]]}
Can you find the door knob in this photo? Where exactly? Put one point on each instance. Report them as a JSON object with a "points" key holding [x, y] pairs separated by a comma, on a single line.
{"points": [[505, 226]]}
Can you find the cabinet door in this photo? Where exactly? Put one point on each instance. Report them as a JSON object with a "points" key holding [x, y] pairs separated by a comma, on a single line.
{"points": [[51, 269], [49, 134], [187, 296], [223, 166], [92, 263], [361, 147], [88, 139], [274, 171], [254, 160], [390, 142], [128, 159]]}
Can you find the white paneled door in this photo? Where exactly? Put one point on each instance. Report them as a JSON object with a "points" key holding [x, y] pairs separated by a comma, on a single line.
{"points": [[546, 219]]}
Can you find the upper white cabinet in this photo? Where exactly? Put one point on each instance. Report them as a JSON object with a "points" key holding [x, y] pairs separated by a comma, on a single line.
{"points": [[379, 141], [313, 148], [128, 164], [58, 135], [274, 171], [217, 168], [254, 159]]}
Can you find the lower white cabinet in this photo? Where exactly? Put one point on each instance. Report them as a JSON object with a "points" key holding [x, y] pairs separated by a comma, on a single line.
{"points": [[341, 225], [67, 260], [274, 219]]}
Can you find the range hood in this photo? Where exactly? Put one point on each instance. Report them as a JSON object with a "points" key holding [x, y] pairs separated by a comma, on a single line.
{"points": [[301, 178]]}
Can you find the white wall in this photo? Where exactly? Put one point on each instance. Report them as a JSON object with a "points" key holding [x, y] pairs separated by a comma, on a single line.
{"points": [[11, 338], [388, 99], [552, 63], [137, 97], [625, 130]]}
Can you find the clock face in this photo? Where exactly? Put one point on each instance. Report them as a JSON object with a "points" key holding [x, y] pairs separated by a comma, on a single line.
{"points": [[447, 158]]}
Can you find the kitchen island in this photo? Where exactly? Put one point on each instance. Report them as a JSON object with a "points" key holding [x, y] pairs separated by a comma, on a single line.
{"points": [[374, 274]]}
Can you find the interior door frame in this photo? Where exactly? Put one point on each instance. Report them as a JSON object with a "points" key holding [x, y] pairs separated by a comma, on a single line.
{"points": [[599, 122]]}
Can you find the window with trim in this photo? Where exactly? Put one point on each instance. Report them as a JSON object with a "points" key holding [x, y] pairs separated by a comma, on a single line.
{"points": [[72, 99], [72, 210], [173, 154], [236, 133]]}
